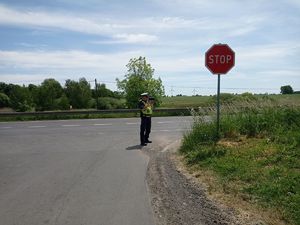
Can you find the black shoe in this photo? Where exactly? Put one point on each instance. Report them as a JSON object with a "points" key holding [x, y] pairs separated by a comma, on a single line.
{"points": [[143, 144], [148, 141]]}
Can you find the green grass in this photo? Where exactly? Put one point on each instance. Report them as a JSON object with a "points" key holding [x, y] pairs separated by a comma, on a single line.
{"points": [[196, 101], [258, 155], [186, 101]]}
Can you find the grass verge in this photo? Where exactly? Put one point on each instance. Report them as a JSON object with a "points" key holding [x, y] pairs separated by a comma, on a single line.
{"points": [[257, 157]]}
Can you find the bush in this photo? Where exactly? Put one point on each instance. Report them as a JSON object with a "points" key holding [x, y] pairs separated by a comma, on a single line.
{"points": [[4, 100], [62, 103], [110, 103]]}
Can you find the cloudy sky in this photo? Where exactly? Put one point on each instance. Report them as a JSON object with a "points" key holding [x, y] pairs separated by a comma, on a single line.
{"points": [[69, 39]]}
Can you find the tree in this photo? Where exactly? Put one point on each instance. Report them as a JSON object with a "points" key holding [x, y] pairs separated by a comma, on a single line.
{"points": [[287, 89], [4, 100], [139, 79], [6, 88], [78, 93], [20, 98], [62, 103], [102, 91], [47, 94]]}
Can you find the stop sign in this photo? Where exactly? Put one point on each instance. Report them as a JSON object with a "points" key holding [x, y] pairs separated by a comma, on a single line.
{"points": [[219, 59]]}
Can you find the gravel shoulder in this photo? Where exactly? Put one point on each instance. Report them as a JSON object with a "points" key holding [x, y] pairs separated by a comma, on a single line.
{"points": [[177, 199]]}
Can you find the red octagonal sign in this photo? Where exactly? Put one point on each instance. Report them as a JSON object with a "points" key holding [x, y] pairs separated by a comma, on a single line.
{"points": [[219, 59]]}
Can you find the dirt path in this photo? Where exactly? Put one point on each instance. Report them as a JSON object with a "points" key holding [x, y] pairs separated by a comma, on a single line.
{"points": [[176, 199]]}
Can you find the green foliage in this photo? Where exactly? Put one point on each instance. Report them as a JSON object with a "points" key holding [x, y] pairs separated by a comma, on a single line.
{"points": [[234, 98], [110, 103], [287, 89], [5, 88], [4, 100], [140, 79], [20, 98], [102, 91], [50, 95], [78, 93], [47, 94], [258, 155], [62, 103]]}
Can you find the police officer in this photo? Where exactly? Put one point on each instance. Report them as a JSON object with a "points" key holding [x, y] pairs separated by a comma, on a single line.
{"points": [[145, 112]]}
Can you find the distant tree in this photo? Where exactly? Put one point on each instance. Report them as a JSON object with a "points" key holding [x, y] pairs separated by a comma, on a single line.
{"points": [[102, 91], [78, 93], [6, 88], [118, 94], [62, 103], [36, 98], [20, 98], [4, 100], [139, 79], [287, 89], [47, 93]]}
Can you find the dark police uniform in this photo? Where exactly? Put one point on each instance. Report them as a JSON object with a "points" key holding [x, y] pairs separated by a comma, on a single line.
{"points": [[145, 114]]}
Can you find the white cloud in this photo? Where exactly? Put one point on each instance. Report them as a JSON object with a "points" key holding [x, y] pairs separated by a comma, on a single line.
{"points": [[135, 38], [52, 20], [64, 60], [126, 31], [271, 54]]}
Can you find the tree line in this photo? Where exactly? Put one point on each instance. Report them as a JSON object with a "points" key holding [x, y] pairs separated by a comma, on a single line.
{"points": [[51, 95]]}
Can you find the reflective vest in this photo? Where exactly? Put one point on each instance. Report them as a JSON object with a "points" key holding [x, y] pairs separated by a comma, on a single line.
{"points": [[147, 110]]}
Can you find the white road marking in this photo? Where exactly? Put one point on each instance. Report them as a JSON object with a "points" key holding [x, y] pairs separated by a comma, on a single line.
{"points": [[70, 125], [36, 126], [102, 124], [131, 123], [162, 122], [6, 127], [165, 130]]}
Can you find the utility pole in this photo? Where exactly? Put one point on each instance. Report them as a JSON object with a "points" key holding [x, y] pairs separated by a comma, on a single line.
{"points": [[172, 91], [96, 93]]}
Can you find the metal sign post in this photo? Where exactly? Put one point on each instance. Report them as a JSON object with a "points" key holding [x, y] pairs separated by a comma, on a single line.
{"points": [[219, 59], [218, 107]]}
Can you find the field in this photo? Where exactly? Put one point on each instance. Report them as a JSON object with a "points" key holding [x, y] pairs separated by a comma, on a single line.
{"points": [[196, 101], [257, 158]]}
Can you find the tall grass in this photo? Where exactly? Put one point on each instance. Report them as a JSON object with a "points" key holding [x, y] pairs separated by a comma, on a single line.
{"points": [[259, 149]]}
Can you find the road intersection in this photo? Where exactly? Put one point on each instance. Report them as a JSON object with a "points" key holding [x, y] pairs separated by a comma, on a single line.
{"points": [[78, 171]]}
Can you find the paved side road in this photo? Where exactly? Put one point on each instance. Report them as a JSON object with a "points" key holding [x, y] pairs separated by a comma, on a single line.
{"points": [[81, 172]]}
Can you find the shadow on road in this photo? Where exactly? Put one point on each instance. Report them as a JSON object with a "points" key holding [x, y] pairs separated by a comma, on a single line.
{"points": [[134, 147]]}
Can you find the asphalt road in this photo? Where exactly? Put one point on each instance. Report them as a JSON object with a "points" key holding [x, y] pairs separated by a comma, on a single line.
{"points": [[85, 172]]}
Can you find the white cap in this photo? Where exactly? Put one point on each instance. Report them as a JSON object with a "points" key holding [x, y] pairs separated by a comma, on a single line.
{"points": [[144, 94]]}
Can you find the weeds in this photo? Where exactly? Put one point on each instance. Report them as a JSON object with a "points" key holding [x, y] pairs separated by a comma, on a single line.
{"points": [[259, 149]]}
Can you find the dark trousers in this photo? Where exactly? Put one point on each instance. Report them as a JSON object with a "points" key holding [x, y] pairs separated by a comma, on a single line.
{"points": [[145, 129]]}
